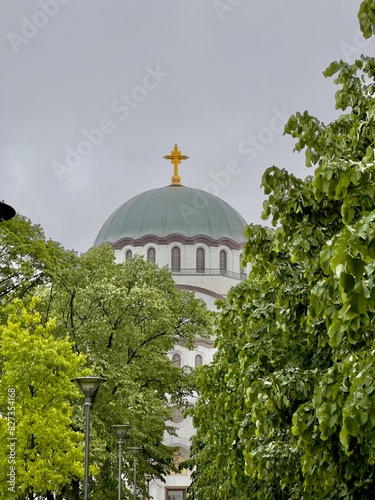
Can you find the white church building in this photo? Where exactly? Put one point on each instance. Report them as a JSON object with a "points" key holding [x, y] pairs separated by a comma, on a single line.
{"points": [[199, 237]]}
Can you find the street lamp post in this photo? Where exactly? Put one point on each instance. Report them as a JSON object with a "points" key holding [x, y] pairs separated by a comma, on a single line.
{"points": [[89, 387], [135, 450], [6, 211], [121, 431], [148, 478]]}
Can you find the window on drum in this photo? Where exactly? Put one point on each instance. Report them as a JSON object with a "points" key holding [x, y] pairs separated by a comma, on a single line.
{"points": [[176, 259], [151, 254], [223, 260], [200, 264]]}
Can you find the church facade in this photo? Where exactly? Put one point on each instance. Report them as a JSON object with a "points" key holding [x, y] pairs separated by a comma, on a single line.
{"points": [[199, 238]]}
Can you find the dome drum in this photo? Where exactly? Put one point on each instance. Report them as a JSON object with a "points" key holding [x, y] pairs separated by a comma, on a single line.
{"points": [[188, 264]]}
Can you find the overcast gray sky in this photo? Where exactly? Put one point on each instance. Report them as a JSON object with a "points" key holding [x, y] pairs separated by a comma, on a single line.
{"points": [[95, 92]]}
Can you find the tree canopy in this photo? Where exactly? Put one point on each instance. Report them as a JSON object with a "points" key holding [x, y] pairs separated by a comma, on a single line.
{"points": [[39, 450], [125, 319], [27, 259], [287, 408]]}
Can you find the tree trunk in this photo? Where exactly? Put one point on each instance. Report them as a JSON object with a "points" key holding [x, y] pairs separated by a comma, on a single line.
{"points": [[75, 489], [71, 493]]}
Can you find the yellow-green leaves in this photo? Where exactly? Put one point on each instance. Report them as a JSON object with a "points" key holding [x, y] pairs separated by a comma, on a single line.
{"points": [[36, 370]]}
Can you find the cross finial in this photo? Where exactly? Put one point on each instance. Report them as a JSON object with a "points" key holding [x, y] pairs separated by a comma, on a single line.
{"points": [[175, 158]]}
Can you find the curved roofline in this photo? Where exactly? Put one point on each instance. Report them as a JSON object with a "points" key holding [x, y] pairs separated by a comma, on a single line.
{"points": [[176, 238]]}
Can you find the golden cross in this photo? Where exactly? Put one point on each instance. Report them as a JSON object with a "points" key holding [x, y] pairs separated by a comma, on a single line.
{"points": [[176, 158]]}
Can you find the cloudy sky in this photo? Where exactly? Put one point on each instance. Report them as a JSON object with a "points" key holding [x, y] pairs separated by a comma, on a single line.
{"points": [[94, 92]]}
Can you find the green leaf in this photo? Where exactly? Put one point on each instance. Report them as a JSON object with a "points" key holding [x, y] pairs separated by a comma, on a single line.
{"points": [[332, 69], [344, 438], [352, 425], [347, 282]]}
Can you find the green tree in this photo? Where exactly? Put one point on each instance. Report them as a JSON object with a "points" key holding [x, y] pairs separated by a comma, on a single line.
{"points": [[27, 259], [126, 318], [293, 377], [217, 451], [39, 451]]}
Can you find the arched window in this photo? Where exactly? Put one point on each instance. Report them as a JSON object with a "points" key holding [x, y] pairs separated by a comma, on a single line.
{"points": [[178, 459], [223, 260], [177, 415], [176, 360], [129, 254], [198, 360], [200, 260], [151, 254], [176, 259]]}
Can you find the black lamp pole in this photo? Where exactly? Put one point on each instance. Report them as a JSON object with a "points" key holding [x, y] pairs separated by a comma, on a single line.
{"points": [[89, 387], [148, 478], [121, 431], [135, 450]]}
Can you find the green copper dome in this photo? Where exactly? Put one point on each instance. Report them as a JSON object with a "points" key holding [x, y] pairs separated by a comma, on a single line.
{"points": [[171, 211]]}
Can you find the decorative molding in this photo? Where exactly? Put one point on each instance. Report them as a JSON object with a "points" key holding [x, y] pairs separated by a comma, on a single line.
{"points": [[204, 343], [208, 272], [180, 441], [200, 289], [176, 238]]}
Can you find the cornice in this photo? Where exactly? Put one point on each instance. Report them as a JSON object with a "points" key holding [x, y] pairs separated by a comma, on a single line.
{"points": [[176, 238], [200, 289], [204, 343]]}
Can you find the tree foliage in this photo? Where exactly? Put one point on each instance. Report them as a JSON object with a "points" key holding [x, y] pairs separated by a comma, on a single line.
{"points": [[126, 318], [366, 17], [27, 259], [39, 450], [287, 408]]}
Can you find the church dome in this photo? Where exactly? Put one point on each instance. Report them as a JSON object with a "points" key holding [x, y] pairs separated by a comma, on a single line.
{"points": [[173, 211]]}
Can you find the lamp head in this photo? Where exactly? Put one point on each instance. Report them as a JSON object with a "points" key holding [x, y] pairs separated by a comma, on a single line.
{"points": [[135, 450], [89, 386], [6, 211], [121, 430]]}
